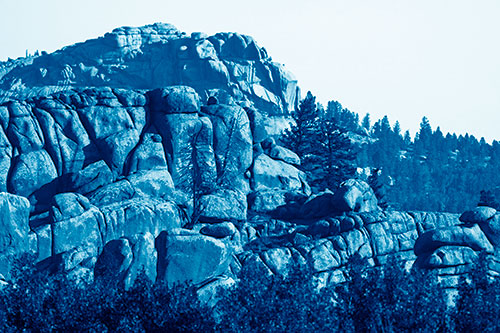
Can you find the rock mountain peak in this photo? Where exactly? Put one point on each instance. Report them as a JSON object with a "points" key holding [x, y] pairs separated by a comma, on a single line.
{"points": [[161, 147]]}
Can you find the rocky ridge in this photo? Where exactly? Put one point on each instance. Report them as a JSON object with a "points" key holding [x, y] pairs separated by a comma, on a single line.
{"points": [[149, 150]]}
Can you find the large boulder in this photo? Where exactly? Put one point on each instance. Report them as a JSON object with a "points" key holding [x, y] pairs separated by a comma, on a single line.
{"points": [[148, 154], [175, 99], [139, 215], [124, 259], [223, 205], [179, 132], [190, 257], [155, 183], [272, 174], [472, 237], [355, 195], [89, 179], [479, 214]]}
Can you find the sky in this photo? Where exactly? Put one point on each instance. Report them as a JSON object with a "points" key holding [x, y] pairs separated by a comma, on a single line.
{"points": [[400, 58]]}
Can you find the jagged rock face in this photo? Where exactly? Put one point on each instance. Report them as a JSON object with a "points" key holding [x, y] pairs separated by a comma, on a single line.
{"points": [[105, 170], [159, 55], [112, 149]]}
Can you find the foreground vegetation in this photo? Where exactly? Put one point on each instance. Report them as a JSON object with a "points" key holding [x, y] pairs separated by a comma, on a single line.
{"points": [[389, 300]]}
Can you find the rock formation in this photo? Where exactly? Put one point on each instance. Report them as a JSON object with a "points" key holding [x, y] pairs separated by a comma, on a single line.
{"points": [[148, 150]]}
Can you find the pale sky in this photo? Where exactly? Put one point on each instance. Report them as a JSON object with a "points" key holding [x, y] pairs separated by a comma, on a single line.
{"points": [[400, 58]]}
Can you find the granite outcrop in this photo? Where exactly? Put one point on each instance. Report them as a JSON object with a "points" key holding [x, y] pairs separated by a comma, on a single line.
{"points": [[148, 150]]}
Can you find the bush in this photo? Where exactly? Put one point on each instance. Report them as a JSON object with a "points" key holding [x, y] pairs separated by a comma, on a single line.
{"points": [[37, 301], [386, 299]]}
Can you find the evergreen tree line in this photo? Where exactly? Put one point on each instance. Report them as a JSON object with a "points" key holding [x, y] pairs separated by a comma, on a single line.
{"points": [[431, 172], [375, 299]]}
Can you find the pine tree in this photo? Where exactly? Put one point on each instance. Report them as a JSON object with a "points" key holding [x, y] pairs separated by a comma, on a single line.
{"points": [[335, 155], [366, 123], [327, 154], [300, 137]]}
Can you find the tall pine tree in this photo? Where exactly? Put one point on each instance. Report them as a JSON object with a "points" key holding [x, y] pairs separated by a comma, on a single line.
{"points": [[300, 137]]}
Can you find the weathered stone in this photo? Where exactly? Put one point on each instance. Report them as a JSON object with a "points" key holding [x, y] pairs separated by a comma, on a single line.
{"points": [[82, 231], [219, 230], [24, 131], [210, 292], [190, 257], [284, 154], [30, 172], [114, 260], [144, 258], [125, 258], [177, 99], [148, 154], [478, 215], [267, 201], [205, 165], [119, 191], [491, 228], [155, 183], [139, 215], [271, 174], [447, 256], [223, 205], [355, 195], [279, 260], [321, 257], [90, 178], [472, 237], [179, 133], [43, 242], [68, 205]]}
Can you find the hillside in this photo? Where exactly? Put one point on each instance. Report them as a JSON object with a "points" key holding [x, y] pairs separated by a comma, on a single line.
{"points": [[148, 150]]}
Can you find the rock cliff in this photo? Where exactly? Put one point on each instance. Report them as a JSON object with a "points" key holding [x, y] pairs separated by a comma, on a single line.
{"points": [[148, 150]]}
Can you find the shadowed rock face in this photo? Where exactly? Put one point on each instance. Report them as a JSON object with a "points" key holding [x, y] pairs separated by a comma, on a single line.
{"points": [[148, 150]]}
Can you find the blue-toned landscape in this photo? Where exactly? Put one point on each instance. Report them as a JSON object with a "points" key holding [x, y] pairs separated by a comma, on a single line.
{"points": [[154, 180]]}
